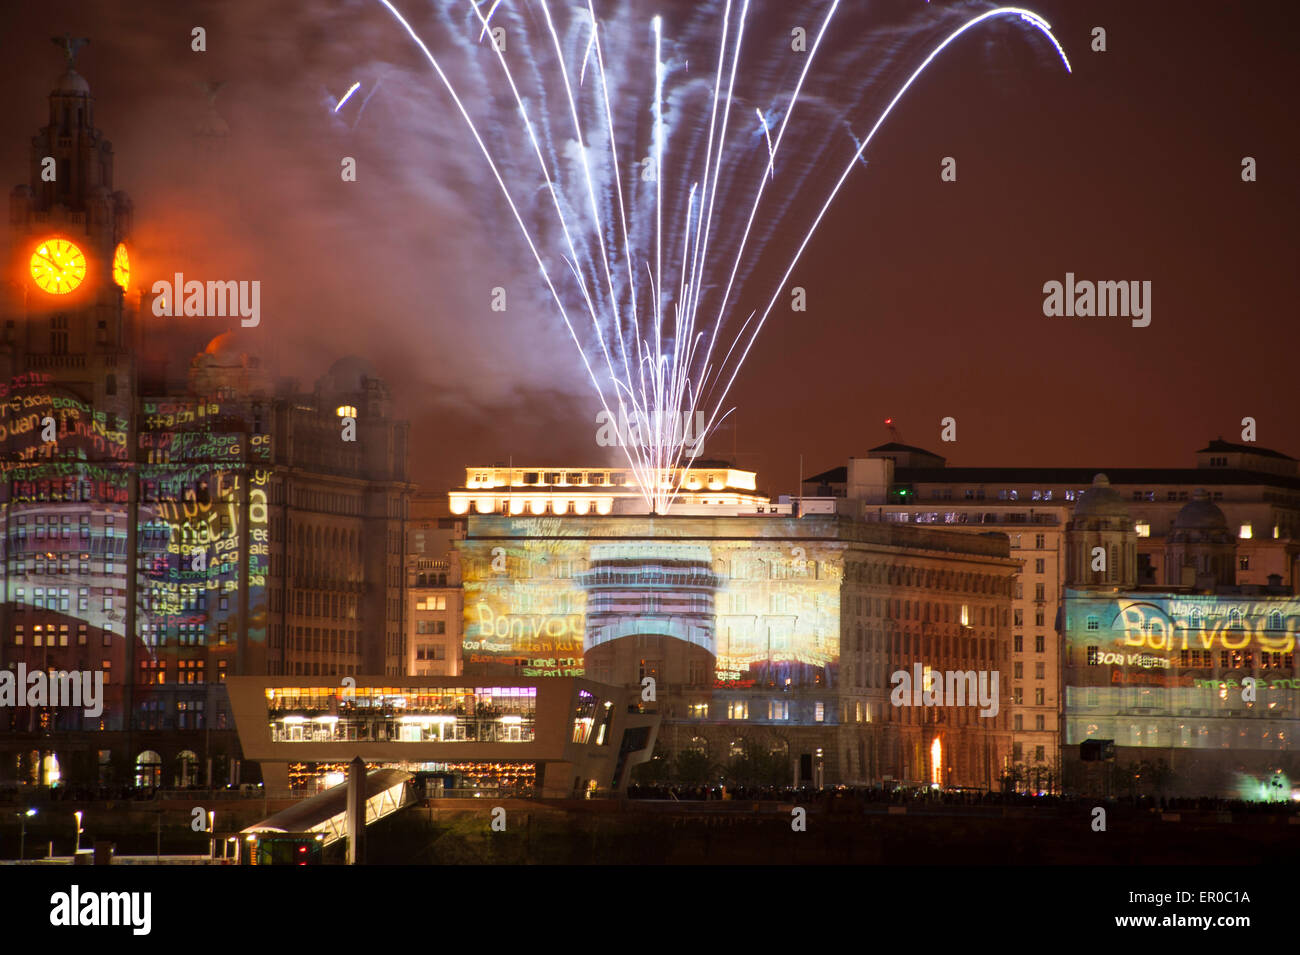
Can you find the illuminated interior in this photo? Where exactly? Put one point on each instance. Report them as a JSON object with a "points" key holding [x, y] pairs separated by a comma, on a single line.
{"points": [[408, 715], [309, 778], [537, 491]]}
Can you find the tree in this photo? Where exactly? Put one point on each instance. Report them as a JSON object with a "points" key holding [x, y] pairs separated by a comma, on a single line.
{"points": [[755, 766], [692, 767]]}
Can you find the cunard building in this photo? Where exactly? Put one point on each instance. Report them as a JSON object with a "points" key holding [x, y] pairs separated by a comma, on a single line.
{"points": [[747, 629]]}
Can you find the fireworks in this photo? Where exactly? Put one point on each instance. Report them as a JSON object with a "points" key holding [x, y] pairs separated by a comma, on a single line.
{"points": [[635, 224]]}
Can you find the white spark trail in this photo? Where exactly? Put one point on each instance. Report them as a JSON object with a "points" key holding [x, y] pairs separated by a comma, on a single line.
{"points": [[658, 389], [1026, 15]]}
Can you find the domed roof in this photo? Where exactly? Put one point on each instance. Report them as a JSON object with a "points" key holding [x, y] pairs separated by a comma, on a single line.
{"points": [[226, 344], [1100, 500], [1200, 514], [349, 374], [72, 82], [228, 350]]}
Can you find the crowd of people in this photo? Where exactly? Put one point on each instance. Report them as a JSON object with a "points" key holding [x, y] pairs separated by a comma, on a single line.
{"points": [[937, 798]]}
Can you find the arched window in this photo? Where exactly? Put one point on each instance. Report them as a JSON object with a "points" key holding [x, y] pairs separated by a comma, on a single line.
{"points": [[188, 768], [148, 769]]}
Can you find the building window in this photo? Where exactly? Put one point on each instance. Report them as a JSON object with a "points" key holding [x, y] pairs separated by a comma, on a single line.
{"points": [[59, 329], [1040, 565], [1018, 643], [819, 711], [1040, 541], [1018, 670], [737, 710], [1040, 722], [1247, 532], [1039, 696]]}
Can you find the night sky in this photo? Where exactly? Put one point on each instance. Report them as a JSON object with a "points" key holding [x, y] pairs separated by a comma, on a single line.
{"points": [[924, 297]]}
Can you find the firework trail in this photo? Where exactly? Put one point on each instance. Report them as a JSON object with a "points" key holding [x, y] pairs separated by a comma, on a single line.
{"points": [[647, 187]]}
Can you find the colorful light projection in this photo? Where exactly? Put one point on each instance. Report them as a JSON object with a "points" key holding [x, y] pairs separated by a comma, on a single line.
{"points": [[1154, 632], [1204, 672], [547, 592], [28, 405], [203, 523]]}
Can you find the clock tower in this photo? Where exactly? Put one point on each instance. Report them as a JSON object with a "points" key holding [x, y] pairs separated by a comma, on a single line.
{"points": [[70, 316]]}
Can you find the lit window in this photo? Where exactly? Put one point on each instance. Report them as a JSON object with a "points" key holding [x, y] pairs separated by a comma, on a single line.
{"points": [[1246, 532], [346, 411], [1143, 529]]}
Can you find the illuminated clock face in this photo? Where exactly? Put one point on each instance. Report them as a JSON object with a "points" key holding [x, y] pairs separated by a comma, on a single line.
{"points": [[121, 267], [58, 266]]}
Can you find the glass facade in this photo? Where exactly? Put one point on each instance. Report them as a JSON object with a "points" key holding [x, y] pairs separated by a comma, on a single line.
{"points": [[403, 715]]}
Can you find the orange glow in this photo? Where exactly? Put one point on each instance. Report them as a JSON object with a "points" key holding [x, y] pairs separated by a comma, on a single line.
{"points": [[936, 762], [122, 267], [58, 266]]}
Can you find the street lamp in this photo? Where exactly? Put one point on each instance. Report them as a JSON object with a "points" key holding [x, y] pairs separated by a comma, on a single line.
{"points": [[22, 832], [79, 831]]}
